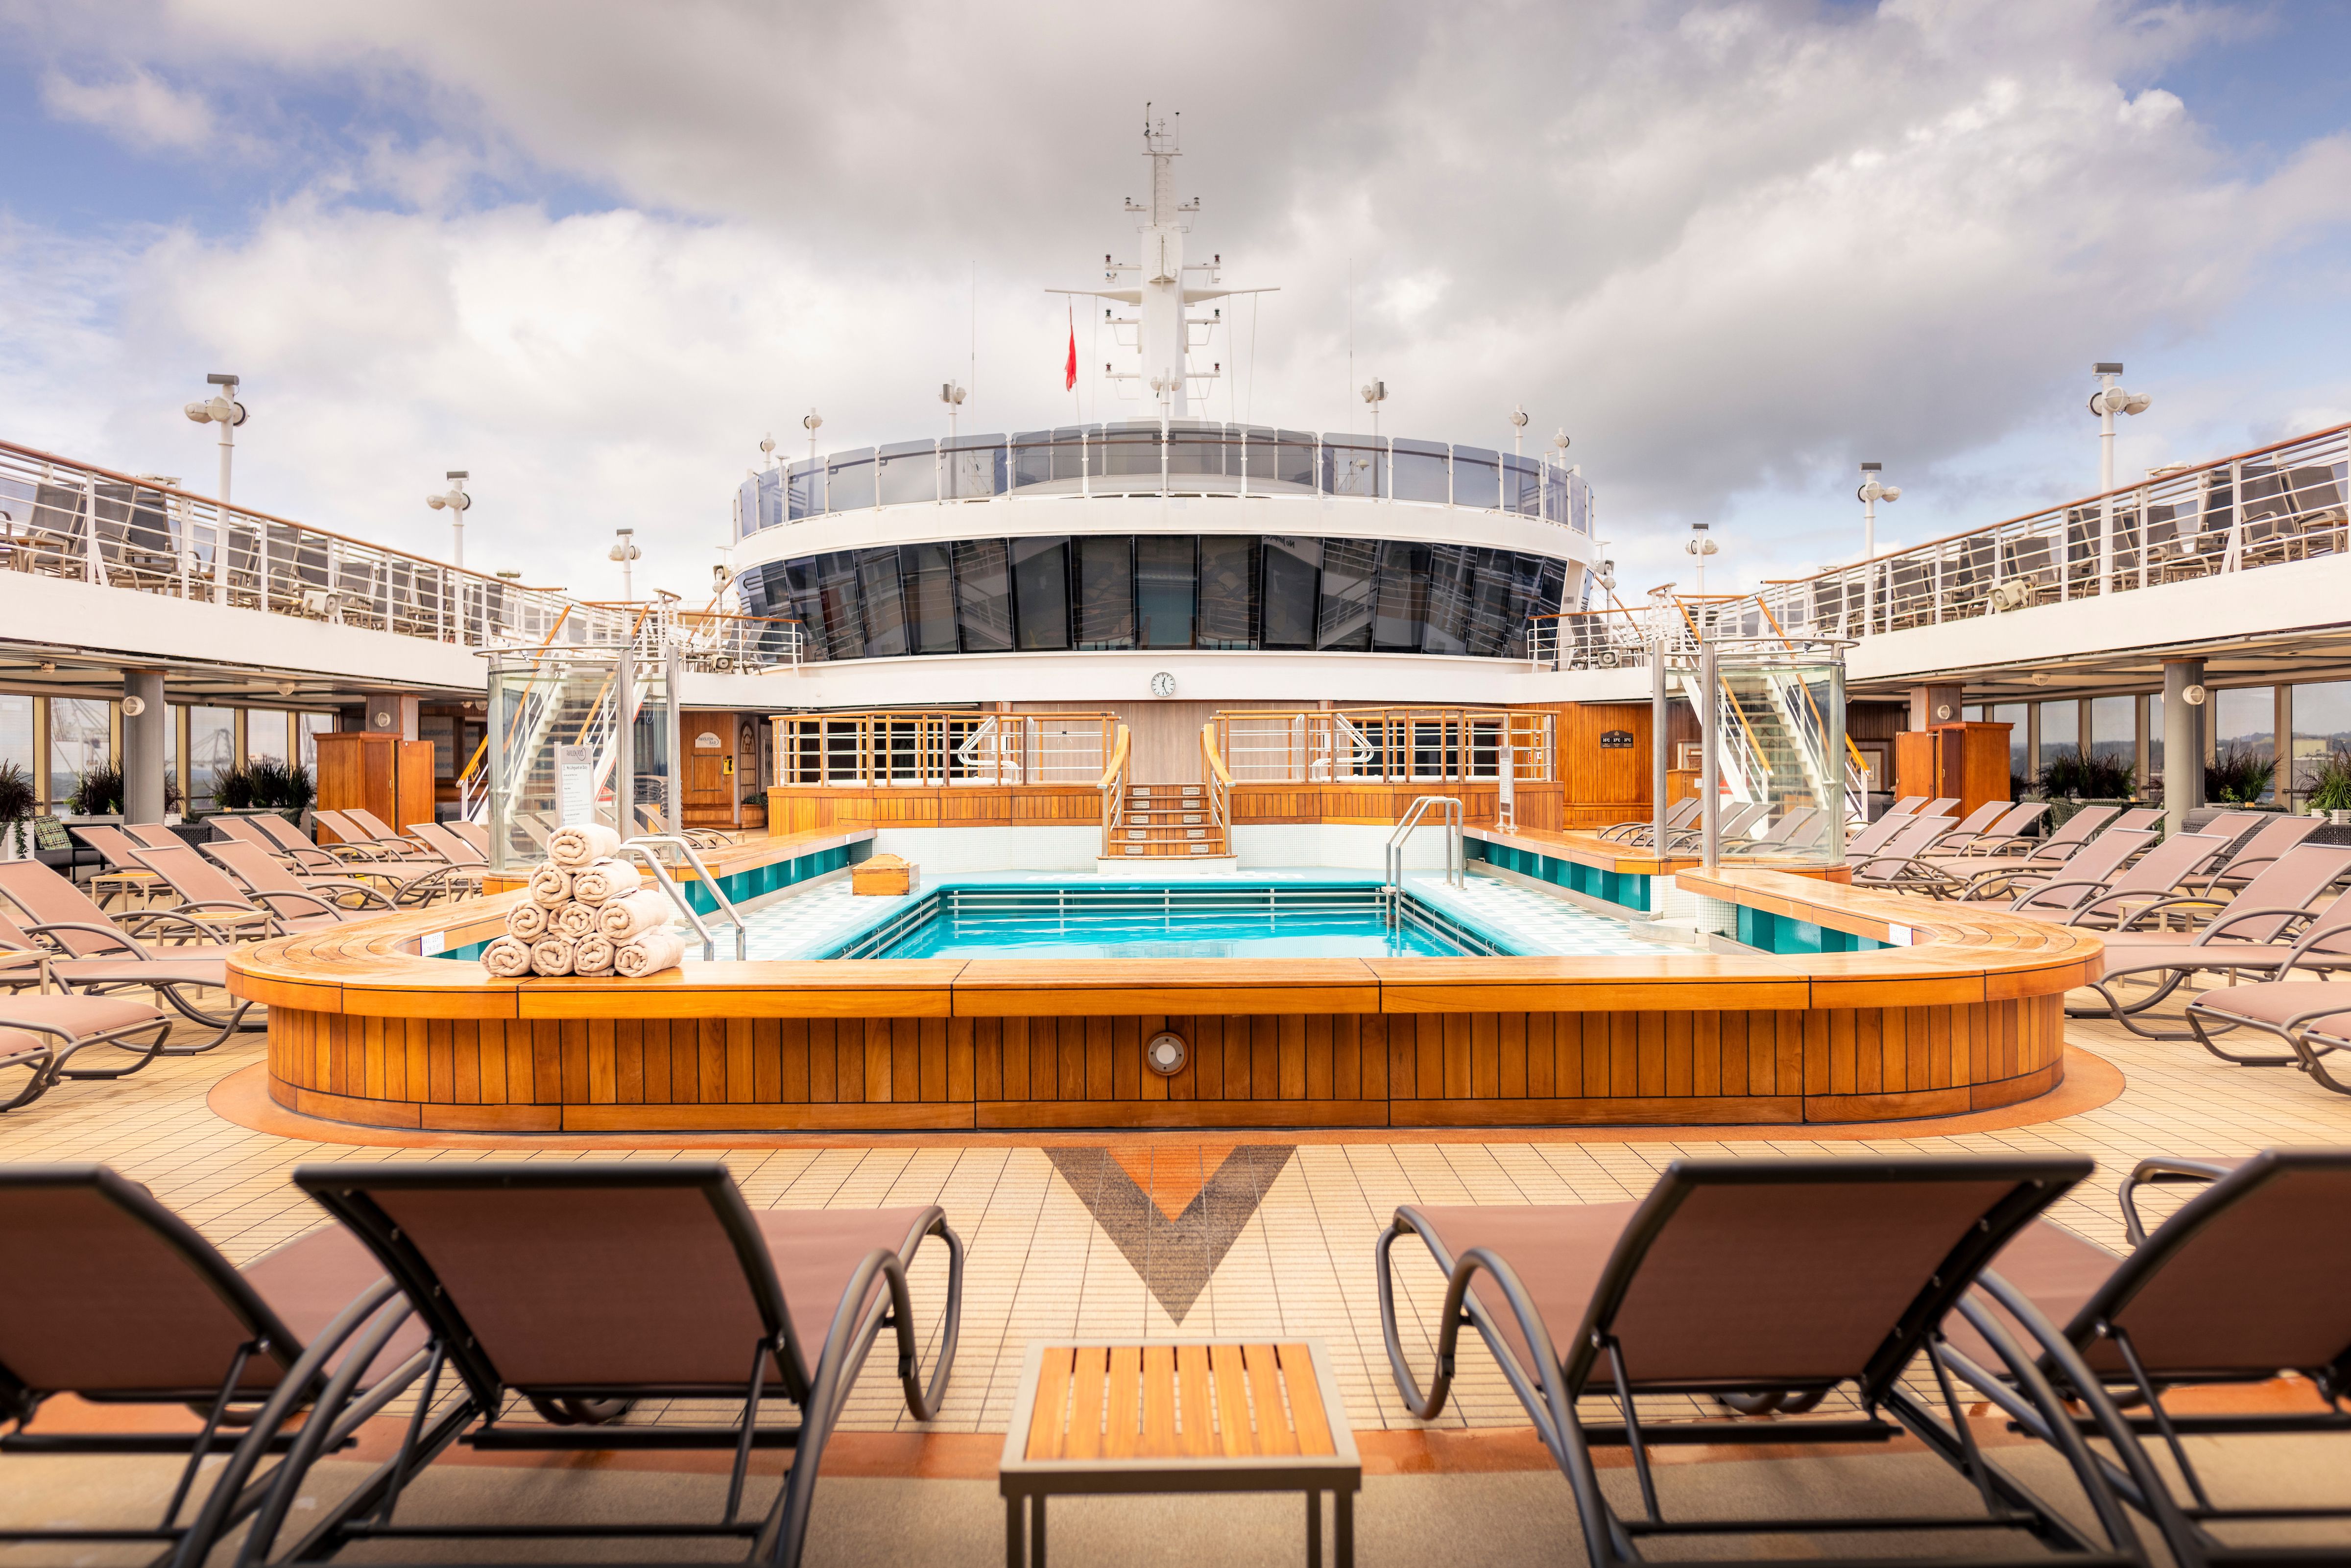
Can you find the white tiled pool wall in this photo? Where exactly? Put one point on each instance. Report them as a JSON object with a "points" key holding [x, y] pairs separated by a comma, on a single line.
{"points": [[1341, 846]]}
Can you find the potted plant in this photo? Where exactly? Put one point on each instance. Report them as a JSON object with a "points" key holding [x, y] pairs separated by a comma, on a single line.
{"points": [[2235, 777], [98, 793], [2330, 788], [233, 788], [19, 801]]}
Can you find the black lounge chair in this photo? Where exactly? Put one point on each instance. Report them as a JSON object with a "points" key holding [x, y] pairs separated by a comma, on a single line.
{"points": [[112, 1297], [585, 1287], [1764, 1284], [2250, 1278]]}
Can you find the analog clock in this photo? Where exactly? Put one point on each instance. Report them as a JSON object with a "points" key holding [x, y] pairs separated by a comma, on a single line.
{"points": [[1163, 684]]}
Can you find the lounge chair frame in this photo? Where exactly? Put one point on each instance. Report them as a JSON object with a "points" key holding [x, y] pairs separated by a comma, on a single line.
{"points": [[246, 1435], [133, 951], [2129, 1473], [48, 1064], [577, 1416], [1550, 1391]]}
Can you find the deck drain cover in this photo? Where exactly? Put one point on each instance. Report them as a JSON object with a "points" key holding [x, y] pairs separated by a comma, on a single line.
{"points": [[1165, 1054]]}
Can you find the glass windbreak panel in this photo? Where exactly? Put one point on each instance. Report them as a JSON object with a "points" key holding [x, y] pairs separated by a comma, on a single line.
{"points": [[804, 490], [1403, 604], [1131, 457], [1041, 591], [266, 735], [212, 748], [1477, 476], [841, 605], [1196, 451], [926, 582], [1106, 592], [1293, 461], [1165, 588], [972, 468], [849, 480], [2019, 766], [1424, 470], [1555, 494], [1076, 454], [2322, 730], [2114, 733], [1782, 745], [1292, 569], [885, 611], [1228, 565], [1032, 458], [1350, 576], [1522, 485], [907, 473], [1354, 465], [1446, 626], [746, 507], [2244, 735], [1249, 456], [2061, 733], [983, 573]]}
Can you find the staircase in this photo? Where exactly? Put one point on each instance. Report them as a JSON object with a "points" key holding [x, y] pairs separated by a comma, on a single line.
{"points": [[1166, 820]]}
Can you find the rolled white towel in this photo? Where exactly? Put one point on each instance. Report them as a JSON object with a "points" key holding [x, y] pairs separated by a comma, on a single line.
{"points": [[573, 921], [550, 885], [643, 910], [592, 955], [507, 958], [551, 956], [606, 881], [526, 921], [573, 847], [649, 953]]}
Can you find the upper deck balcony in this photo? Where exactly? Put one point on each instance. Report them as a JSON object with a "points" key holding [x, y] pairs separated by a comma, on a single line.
{"points": [[1175, 457]]}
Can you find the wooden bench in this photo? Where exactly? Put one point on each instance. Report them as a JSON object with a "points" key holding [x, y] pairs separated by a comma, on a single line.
{"points": [[1194, 1416]]}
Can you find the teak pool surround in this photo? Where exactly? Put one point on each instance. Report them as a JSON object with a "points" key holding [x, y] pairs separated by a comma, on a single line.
{"points": [[1952, 1008]]}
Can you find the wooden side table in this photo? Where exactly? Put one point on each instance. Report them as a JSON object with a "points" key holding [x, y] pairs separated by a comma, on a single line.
{"points": [[1191, 1415]]}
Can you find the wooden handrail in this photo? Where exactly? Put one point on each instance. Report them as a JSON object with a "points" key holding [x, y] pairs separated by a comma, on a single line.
{"points": [[1208, 749], [1117, 761]]}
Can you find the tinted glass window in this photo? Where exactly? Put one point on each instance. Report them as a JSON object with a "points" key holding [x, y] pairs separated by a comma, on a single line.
{"points": [[1451, 592], [1292, 568], [1402, 601], [1106, 592], [1477, 476], [1350, 572], [1492, 620], [1421, 471], [984, 595], [909, 473], [926, 579], [1227, 566], [842, 605], [1041, 591], [885, 612], [849, 480], [1163, 587]]}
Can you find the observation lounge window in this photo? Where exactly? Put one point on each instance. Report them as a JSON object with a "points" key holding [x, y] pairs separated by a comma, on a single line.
{"points": [[908, 473], [983, 571], [1292, 568], [1350, 574], [972, 468], [849, 480], [1227, 568], [1423, 471], [1492, 620], [1165, 588], [885, 611], [926, 579], [802, 583], [1354, 465], [1477, 478], [1522, 485], [1403, 602], [841, 604], [1106, 592], [1041, 591], [1446, 618]]}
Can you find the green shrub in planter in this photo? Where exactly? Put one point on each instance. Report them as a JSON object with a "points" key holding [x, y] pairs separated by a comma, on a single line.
{"points": [[18, 802], [2236, 777], [233, 788], [98, 793], [2330, 783]]}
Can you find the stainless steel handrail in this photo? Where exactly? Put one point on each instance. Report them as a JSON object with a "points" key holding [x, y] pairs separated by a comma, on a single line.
{"points": [[1455, 869], [676, 895], [717, 895]]}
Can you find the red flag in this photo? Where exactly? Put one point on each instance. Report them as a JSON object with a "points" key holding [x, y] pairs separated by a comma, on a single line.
{"points": [[1070, 370]]}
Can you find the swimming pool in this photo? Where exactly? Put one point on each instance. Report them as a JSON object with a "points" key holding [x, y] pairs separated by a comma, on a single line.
{"points": [[1195, 920]]}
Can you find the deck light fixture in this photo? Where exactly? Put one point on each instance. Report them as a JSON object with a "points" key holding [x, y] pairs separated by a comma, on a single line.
{"points": [[1518, 430], [624, 551], [223, 410], [1701, 545], [1873, 490], [455, 501], [1375, 393], [952, 394], [2109, 401], [810, 422]]}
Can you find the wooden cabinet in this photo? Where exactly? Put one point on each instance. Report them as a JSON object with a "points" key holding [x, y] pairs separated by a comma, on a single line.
{"points": [[379, 773], [1968, 760]]}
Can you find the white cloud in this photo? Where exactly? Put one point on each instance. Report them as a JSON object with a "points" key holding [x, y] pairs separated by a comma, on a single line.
{"points": [[138, 109], [1730, 246]]}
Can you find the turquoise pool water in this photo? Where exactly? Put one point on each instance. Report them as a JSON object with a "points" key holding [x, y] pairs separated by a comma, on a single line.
{"points": [[1284, 921]]}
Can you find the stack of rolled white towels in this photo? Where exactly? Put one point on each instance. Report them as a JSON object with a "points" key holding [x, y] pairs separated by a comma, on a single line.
{"points": [[588, 913]]}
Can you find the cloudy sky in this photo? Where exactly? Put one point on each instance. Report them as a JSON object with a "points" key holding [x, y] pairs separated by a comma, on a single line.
{"points": [[594, 251]]}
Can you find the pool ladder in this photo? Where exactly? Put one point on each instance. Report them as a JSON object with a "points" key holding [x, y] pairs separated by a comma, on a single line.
{"points": [[1456, 871], [644, 848]]}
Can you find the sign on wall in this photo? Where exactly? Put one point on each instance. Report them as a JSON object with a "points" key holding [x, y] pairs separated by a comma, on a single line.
{"points": [[575, 785], [1615, 740]]}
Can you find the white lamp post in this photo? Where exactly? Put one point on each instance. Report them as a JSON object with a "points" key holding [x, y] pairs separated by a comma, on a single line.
{"points": [[1701, 545], [2109, 401], [1518, 431], [1375, 393], [222, 409], [810, 422], [624, 551], [1873, 490], [454, 501], [952, 394]]}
